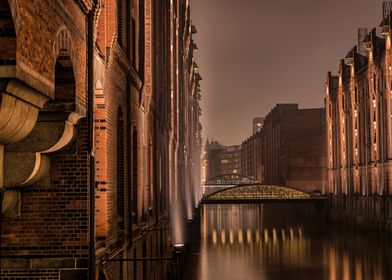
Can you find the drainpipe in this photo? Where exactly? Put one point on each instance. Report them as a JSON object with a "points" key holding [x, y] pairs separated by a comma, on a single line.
{"points": [[90, 121], [1, 219], [366, 148], [129, 127], [381, 120]]}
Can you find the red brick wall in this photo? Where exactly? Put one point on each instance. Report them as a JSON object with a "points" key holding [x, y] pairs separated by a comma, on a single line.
{"points": [[7, 50], [53, 219], [39, 24]]}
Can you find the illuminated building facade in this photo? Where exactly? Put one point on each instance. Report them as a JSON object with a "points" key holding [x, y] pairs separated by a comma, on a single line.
{"points": [[220, 160], [359, 128], [99, 134], [230, 160]]}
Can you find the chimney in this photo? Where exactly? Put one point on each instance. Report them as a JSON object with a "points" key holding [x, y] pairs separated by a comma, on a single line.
{"points": [[362, 32]]}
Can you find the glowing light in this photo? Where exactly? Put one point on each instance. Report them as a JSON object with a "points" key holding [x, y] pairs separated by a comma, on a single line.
{"points": [[231, 236], [249, 236], [358, 269], [291, 234], [223, 237], [274, 235], [283, 235], [214, 237], [266, 235], [240, 236], [300, 233], [179, 245]]}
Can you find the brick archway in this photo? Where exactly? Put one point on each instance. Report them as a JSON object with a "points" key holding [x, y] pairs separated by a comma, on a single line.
{"points": [[63, 42]]}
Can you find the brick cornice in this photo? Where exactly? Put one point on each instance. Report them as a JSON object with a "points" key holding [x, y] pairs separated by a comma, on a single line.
{"points": [[118, 54], [135, 79]]}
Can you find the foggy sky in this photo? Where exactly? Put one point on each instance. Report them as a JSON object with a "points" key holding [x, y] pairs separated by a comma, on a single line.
{"points": [[256, 53]]}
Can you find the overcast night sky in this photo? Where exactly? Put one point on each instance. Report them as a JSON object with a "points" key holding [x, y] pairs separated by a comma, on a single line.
{"points": [[256, 53]]}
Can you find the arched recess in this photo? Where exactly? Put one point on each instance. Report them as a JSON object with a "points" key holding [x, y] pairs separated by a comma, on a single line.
{"points": [[19, 104], [7, 35], [120, 173], [54, 130], [19, 108]]}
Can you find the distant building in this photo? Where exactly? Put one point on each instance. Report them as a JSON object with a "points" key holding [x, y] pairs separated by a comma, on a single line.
{"points": [[220, 160], [230, 160], [294, 147], [257, 124], [211, 160], [252, 157]]}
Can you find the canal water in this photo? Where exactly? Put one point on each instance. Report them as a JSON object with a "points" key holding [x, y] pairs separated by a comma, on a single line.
{"points": [[281, 242]]}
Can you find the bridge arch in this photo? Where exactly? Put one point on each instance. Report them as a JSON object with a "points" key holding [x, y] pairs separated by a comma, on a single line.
{"points": [[225, 181], [255, 192]]}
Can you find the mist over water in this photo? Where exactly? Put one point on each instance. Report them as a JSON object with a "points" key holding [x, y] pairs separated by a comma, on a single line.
{"points": [[274, 242], [177, 221]]}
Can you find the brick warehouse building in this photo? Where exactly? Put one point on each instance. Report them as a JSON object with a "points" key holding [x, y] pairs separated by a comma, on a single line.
{"points": [[294, 147], [359, 129], [252, 156], [95, 99]]}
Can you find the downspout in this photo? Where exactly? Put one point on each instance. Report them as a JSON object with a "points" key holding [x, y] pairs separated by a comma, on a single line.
{"points": [[90, 121], [129, 126], [157, 141], [348, 152], [1, 220], [366, 148]]}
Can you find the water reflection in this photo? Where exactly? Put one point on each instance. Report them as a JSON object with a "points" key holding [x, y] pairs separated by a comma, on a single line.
{"points": [[275, 242]]}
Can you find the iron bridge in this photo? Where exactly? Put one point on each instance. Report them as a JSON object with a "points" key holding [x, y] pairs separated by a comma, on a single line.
{"points": [[226, 181], [259, 193]]}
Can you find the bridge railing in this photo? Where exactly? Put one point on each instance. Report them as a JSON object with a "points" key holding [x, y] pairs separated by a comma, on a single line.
{"points": [[256, 192]]}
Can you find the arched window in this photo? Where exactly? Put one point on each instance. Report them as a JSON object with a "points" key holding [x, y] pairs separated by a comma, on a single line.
{"points": [[7, 35], [64, 82], [120, 172]]}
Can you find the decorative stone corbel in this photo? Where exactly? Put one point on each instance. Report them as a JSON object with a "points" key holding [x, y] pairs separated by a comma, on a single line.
{"points": [[28, 161], [19, 108], [42, 161]]}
